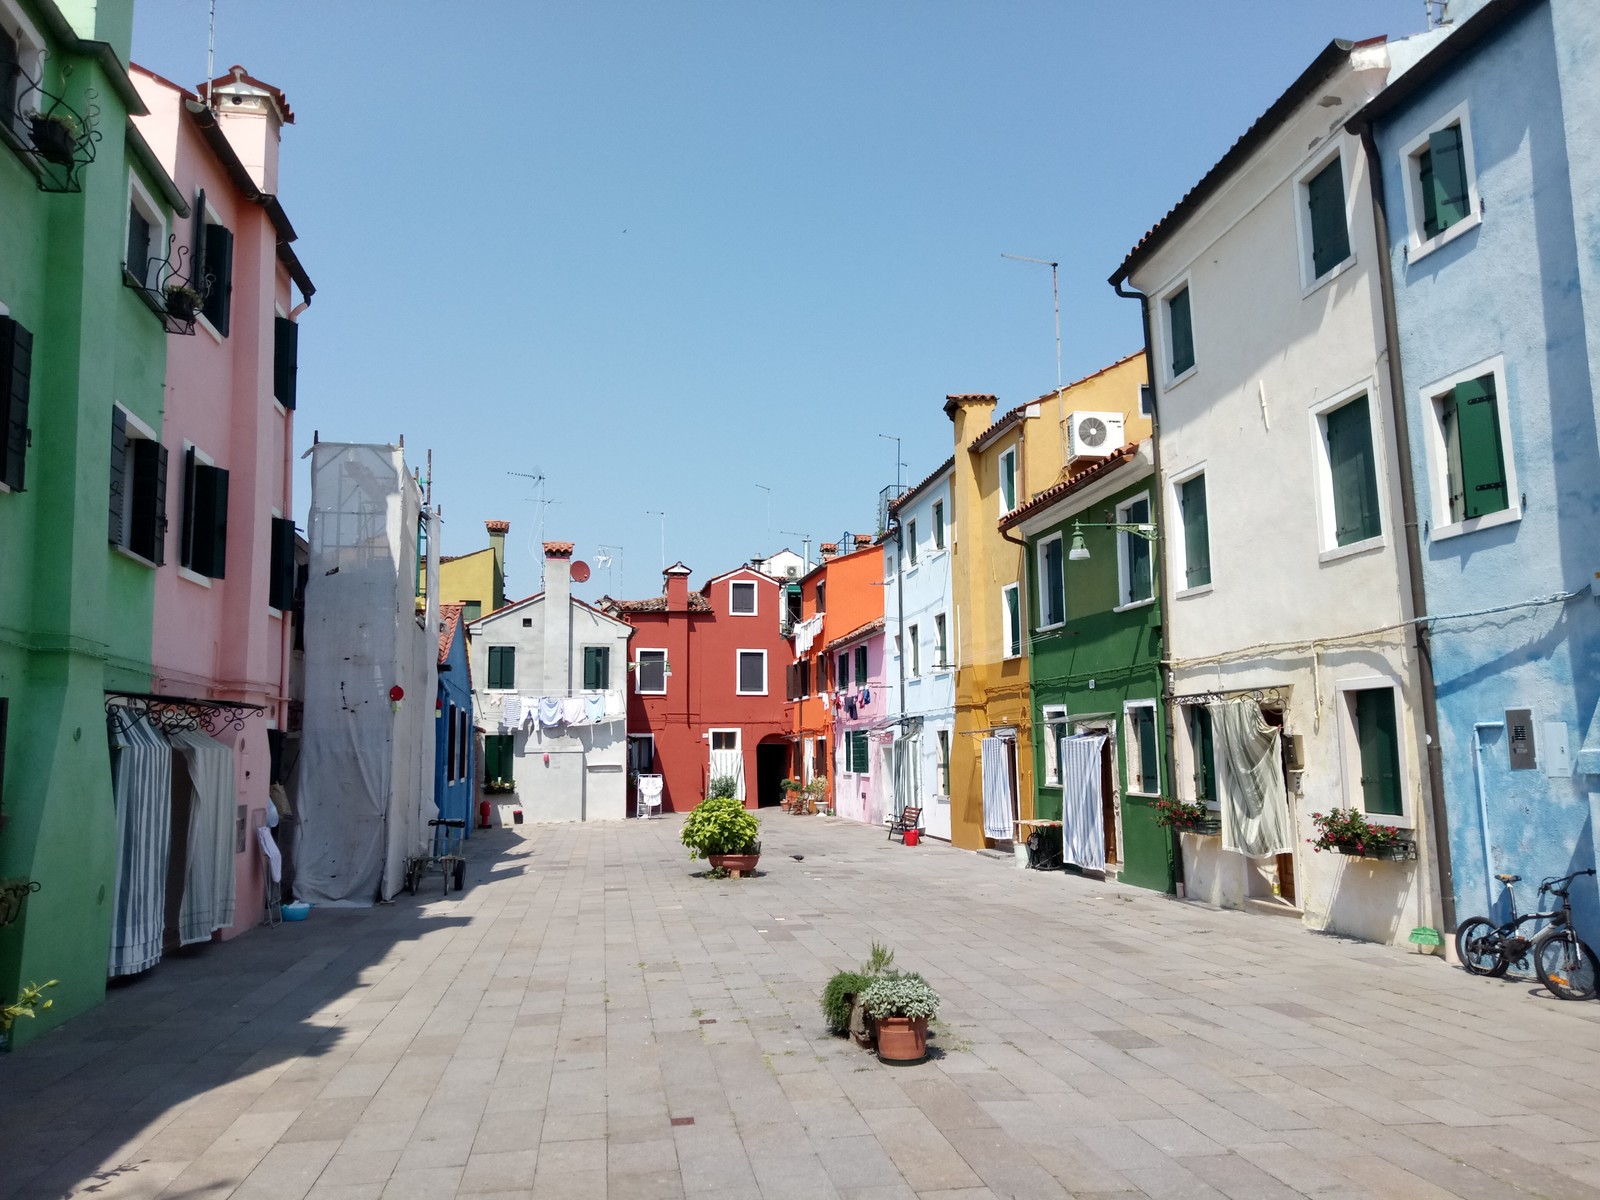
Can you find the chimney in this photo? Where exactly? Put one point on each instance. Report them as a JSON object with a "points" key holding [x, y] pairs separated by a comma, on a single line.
{"points": [[557, 618], [676, 586], [971, 413], [251, 115], [497, 543], [828, 550]]}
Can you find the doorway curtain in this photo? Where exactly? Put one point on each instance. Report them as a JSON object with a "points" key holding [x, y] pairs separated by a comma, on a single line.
{"points": [[1255, 804], [1083, 830], [143, 794], [731, 764], [997, 801], [209, 882]]}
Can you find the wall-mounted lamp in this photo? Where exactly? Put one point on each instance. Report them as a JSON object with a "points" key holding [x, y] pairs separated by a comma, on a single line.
{"points": [[1080, 549]]}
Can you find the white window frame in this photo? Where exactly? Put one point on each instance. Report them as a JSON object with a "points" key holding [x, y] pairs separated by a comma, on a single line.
{"points": [[1052, 714], [1439, 457], [1328, 546], [30, 57], [1044, 578], [1178, 538], [1310, 281], [738, 740], [139, 197], [1418, 246], [941, 643], [738, 672], [1122, 552], [936, 515], [204, 459], [1010, 452], [638, 670], [1147, 393], [911, 545], [1006, 640], [915, 667], [1350, 749], [755, 601], [1164, 324], [1132, 746], [134, 427]]}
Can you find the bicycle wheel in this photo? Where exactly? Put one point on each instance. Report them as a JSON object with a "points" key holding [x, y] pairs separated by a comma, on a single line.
{"points": [[1567, 967], [1478, 947]]}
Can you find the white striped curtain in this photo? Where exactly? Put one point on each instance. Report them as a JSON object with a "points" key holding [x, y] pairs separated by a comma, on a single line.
{"points": [[997, 802], [1083, 828], [208, 885], [143, 794], [729, 763]]}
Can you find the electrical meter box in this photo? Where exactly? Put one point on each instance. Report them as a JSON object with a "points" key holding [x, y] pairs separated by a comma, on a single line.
{"points": [[1519, 739]]}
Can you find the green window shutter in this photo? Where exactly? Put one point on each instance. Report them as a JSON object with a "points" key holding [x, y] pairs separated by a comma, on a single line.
{"points": [[147, 500], [1014, 621], [1008, 480], [858, 751], [16, 369], [280, 585], [1330, 235], [1144, 732], [1181, 328], [596, 667], [1053, 585], [1354, 473], [285, 360], [197, 256], [861, 666], [502, 666], [1138, 554], [450, 743], [844, 671], [211, 521], [1205, 754], [1446, 185], [138, 262], [1380, 751], [119, 475], [1483, 468], [218, 304], [1196, 532]]}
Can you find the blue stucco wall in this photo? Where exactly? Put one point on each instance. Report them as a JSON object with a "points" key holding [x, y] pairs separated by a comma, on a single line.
{"points": [[1521, 285], [454, 800]]}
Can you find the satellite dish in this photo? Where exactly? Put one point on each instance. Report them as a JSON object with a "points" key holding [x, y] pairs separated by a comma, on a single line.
{"points": [[580, 572]]}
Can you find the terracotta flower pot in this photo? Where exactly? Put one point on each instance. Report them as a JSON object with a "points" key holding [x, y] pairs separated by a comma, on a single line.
{"points": [[902, 1039], [735, 864]]}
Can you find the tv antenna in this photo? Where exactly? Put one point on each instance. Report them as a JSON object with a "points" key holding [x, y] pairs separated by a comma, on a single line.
{"points": [[607, 557], [805, 554], [538, 480], [1055, 292]]}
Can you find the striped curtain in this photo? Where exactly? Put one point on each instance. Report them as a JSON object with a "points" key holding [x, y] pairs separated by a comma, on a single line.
{"points": [[997, 802], [143, 793], [208, 885], [729, 763], [1083, 829]]}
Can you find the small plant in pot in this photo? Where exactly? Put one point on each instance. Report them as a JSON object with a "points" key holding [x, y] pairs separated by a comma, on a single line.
{"points": [[183, 301], [55, 136], [842, 1008], [723, 831], [901, 1003]]}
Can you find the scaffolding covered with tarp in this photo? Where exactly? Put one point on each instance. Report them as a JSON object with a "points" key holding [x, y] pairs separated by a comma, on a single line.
{"points": [[371, 672]]}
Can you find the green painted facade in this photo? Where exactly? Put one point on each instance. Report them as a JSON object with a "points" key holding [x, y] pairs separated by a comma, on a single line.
{"points": [[75, 614], [1099, 661]]}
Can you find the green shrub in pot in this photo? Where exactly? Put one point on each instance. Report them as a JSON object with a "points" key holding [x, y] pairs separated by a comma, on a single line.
{"points": [[721, 825]]}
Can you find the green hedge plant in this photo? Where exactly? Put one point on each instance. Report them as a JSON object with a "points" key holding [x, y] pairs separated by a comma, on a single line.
{"points": [[721, 825]]}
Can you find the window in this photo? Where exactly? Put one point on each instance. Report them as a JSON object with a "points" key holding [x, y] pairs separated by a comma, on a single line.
{"points": [[651, 673], [822, 597], [1196, 532], [938, 524], [502, 667], [280, 584], [1011, 614], [1052, 585], [21, 58], [147, 238], [596, 668], [911, 544], [498, 756], [1352, 472], [943, 737], [1441, 196], [1326, 233], [1133, 553], [842, 679], [1180, 332], [821, 765], [285, 360], [138, 488], [213, 266], [1147, 401], [1373, 712], [451, 733], [1143, 752], [791, 597], [916, 651], [742, 598], [805, 676], [1008, 481], [641, 753], [204, 548], [1204, 751], [1054, 719], [752, 673], [861, 666], [724, 739], [941, 645], [1472, 428], [16, 372], [463, 744], [855, 745]]}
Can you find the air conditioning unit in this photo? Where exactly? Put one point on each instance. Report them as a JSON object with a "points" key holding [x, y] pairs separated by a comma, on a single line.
{"points": [[1093, 434], [792, 572]]}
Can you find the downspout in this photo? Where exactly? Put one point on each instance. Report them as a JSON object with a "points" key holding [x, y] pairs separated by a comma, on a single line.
{"points": [[900, 626], [1023, 575], [1438, 817], [1169, 743]]}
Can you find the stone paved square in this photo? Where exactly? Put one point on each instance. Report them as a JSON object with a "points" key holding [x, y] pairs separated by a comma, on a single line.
{"points": [[592, 1018]]}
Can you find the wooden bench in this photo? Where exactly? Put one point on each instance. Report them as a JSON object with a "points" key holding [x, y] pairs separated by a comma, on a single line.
{"points": [[908, 818]]}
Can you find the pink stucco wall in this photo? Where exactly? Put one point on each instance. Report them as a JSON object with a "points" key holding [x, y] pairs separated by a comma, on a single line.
{"points": [[218, 638]]}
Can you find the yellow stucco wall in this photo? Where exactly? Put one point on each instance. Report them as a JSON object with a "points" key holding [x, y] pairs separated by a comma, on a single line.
{"points": [[991, 690], [467, 579]]}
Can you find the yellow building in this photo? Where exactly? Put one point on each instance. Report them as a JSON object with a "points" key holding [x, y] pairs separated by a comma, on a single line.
{"points": [[999, 466], [477, 580]]}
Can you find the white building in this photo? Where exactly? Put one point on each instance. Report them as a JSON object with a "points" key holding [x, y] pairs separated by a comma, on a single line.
{"points": [[917, 598], [549, 678], [785, 565], [1286, 585]]}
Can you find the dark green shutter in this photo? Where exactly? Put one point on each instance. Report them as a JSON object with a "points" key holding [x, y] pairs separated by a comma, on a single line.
{"points": [[280, 586], [1380, 751], [1446, 185], [861, 666], [1144, 726], [138, 264], [1182, 331], [450, 744], [217, 530], [119, 475], [1483, 468], [219, 265], [1138, 551], [1196, 532], [502, 666], [596, 667], [147, 499], [1330, 236], [205, 518], [844, 671], [16, 369], [1205, 755], [285, 360], [197, 256], [1052, 585], [1014, 621], [1354, 473], [10, 73]]}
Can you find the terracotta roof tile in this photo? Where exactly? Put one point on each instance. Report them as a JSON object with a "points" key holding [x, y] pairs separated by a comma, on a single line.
{"points": [[497, 526], [558, 549], [1011, 417], [697, 604], [911, 491], [449, 622], [874, 626]]}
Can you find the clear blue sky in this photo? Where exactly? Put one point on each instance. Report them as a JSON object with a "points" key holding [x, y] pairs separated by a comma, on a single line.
{"points": [[664, 253]]}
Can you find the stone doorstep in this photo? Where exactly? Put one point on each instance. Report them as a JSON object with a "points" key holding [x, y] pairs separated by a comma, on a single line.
{"points": [[1271, 908]]}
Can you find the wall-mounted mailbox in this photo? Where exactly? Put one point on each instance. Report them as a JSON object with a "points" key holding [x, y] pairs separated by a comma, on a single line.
{"points": [[1519, 739]]}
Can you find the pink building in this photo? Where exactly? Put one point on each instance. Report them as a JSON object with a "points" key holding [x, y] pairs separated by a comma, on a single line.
{"points": [[225, 574]]}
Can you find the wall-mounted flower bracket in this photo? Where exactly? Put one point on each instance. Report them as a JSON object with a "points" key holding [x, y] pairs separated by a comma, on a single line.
{"points": [[50, 134], [168, 289]]}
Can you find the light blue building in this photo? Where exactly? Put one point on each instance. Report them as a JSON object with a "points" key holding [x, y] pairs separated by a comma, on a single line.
{"points": [[1489, 150], [919, 611]]}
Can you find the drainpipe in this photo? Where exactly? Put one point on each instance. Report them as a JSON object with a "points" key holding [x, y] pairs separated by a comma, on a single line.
{"points": [[1483, 803], [900, 622], [1169, 749], [1429, 697]]}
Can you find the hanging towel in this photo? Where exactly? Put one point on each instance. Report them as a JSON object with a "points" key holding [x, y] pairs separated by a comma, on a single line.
{"points": [[866, 697], [574, 711], [1083, 833], [997, 801], [615, 709], [270, 849], [549, 711], [1255, 806], [850, 707], [595, 707], [209, 880], [143, 791], [649, 794], [511, 711]]}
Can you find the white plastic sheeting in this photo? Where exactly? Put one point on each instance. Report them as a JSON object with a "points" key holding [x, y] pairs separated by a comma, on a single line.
{"points": [[209, 872], [365, 771]]}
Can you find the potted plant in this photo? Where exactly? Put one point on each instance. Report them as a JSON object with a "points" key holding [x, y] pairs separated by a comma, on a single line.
{"points": [[815, 790], [842, 1008], [1187, 817], [28, 999], [722, 830], [790, 788], [901, 1002], [183, 301], [55, 135], [1347, 831]]}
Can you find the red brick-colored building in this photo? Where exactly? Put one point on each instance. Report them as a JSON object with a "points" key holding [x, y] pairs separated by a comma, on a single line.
{"points": [[705, 686]]}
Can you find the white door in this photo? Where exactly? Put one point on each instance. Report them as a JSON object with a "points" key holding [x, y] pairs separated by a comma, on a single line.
{"points": [[936, 784]]}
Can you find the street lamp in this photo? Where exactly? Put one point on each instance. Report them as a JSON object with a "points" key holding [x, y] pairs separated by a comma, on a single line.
{"points": [[1080, 549]]}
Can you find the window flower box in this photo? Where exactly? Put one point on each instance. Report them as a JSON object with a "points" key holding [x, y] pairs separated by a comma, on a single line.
{"points": [[1347, 831]]}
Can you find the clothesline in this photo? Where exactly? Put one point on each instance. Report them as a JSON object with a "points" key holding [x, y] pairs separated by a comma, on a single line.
{"points": [[554, 709]]}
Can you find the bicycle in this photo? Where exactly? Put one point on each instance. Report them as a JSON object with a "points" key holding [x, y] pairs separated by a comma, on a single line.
{"points": [[1562, 961]]}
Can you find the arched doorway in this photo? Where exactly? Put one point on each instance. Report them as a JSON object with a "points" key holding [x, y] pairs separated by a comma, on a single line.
{"points": [[772, 762]]}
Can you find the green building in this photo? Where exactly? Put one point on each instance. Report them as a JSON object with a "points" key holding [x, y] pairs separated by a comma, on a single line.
{"points": [[1094, 646], [84, 206]]}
